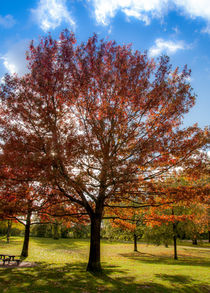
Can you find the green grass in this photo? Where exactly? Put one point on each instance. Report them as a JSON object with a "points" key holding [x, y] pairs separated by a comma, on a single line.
{"points": [[62, 268]]}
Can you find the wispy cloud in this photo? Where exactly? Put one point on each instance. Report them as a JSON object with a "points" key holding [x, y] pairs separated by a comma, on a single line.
{"points": [[14, 60], [145, 10], [140, 9], [7, 21], [51, 13], [206, 30], [195, 8], [169, 47], [11, 68]]}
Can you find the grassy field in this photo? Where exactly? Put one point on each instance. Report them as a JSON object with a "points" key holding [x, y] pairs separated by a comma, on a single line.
{"points": [[62, 263]]}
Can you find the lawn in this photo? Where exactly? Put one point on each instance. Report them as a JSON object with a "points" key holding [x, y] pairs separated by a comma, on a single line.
{"points": [[61, 267]]}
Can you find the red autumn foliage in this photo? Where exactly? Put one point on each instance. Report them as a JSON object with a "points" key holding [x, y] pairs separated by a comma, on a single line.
{"points": [[94, 122]]}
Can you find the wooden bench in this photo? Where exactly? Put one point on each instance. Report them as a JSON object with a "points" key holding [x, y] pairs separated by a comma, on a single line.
{"points": [[9, 258], [2, 256]]}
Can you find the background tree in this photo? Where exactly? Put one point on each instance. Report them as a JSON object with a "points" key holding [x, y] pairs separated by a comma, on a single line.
{"points": [[95, 121], [165, 225], [9, 227], [159, 234], [23, 203], [128, 219], [197, 224]]}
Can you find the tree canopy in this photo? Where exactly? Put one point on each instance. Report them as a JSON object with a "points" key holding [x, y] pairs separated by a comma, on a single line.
{"points": [[94, 122]]}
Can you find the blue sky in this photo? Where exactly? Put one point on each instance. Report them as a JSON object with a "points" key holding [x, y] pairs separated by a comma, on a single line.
{"points": [[179, 28]]}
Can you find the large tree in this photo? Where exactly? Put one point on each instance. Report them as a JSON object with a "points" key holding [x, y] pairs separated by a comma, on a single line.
{"points": [[95, 121]]}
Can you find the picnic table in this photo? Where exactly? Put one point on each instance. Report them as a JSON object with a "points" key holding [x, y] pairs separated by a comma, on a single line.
{"points": [[9, 258]]}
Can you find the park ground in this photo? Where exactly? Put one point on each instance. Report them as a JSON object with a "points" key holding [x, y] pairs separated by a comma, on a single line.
{"points": [[61, 267]]}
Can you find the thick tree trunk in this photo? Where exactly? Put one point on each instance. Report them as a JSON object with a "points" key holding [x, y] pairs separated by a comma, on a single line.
{"points": [[24, 252], [94, 264], [135, 242], [9, 226], [209, 236]]}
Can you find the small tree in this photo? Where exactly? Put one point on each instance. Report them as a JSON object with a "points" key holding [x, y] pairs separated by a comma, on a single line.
{"points": [[23, 203], [197, 224], [159, 234], [131, 220]]}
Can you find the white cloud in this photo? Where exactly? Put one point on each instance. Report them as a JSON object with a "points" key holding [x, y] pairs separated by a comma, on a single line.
{"points": [[206, 30], [7, 21], [2, 80], [140, 9], [195, 8], [136, 14], [51, 13], [169, 47], [11, 68], [175, 29], [15, 59], [144, 10]]}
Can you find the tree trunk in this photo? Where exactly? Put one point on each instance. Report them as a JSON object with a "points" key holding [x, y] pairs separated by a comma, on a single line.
{"points": [[194, 241], [175, 237], [56, 231], [24, 252], [9, 226], [175, 248], [166, 245], [209, 236], [94, 264], [135, 242]]}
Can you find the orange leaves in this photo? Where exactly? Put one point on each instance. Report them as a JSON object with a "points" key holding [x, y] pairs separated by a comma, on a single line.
{"points": [[98, 122], [123, 225], [159, 219]]}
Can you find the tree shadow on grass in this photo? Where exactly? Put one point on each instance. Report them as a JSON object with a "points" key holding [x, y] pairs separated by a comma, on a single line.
{"points": [[178, 281], [3, 241], [137, 254], [74, 278], [57, 245], [175, 278], [67, 278], [153, 259]]}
